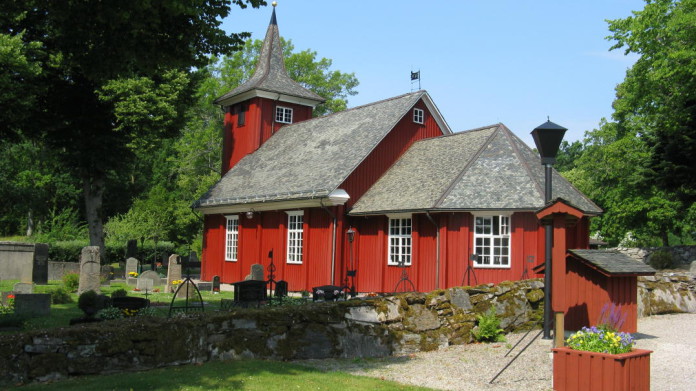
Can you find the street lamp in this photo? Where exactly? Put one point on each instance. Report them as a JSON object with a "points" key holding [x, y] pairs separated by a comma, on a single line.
{"points": [[351, 272], [548, 137]]}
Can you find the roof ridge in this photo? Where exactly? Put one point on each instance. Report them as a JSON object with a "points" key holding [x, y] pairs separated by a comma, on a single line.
{"points": [[527, 168], [467, 166]]}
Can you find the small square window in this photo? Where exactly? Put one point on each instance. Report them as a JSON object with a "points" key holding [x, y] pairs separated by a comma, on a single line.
{"points": [[283, 115], [418, 116]]}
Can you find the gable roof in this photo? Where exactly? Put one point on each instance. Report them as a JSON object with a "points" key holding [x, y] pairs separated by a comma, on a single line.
{"points": [[270, 78], [612, 262], [487, 168], [310, 159]]}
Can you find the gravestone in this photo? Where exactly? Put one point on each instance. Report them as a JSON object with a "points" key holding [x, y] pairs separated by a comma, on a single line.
{"points": [[40, 272], [16, 261], [256, 273], [216, 284], [173, 272], [23, 288], [145, 284], [90, 270], [131, 248], [193, 257], [131, 266], [107, 272], [35, 304], [188, 288], [152, 275]]}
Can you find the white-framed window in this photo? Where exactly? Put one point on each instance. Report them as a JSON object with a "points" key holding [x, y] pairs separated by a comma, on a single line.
{"points": [[283, 115], [231, 238], [400, 243], [492, 241], [418, 116], [295, 232]]}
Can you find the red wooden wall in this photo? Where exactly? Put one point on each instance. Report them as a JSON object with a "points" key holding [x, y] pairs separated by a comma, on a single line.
{"points": [[587, 291], [259, 125]]}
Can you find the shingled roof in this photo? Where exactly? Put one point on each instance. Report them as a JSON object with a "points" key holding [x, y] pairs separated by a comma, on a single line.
{"points": [[270, 75], [487, 168], [612, 262], [310, 159]]}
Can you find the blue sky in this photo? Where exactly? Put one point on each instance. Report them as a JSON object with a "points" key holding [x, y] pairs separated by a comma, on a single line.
{"points": [[482, 62]]}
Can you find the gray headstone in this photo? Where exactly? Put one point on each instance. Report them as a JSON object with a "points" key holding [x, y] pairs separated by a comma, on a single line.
{"points": [[173, 274], [90, 270], [131, 248], [23, 287], [193, 257], [152, 275], [256, 272], [187, 289], [40, 272], [216, 284], [693, 267], [16, 261], [131, 266], [205, 286], [145, 284], [174, 259], [36, 304]]}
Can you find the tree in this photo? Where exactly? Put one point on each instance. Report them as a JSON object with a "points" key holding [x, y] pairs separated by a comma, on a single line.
{"points": [[111, 74], [657, 99]]}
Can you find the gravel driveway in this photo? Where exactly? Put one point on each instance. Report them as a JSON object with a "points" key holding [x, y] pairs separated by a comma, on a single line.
{"points": [[471, 367]]}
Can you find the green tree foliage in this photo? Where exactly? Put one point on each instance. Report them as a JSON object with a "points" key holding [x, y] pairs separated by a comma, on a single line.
{"points": [[657, 99], [101, 75]]}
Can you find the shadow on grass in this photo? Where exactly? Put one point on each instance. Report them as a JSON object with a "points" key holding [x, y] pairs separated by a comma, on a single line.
{"points": [[248, 375]]}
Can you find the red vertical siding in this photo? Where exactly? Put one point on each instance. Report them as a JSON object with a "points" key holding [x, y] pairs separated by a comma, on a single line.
{"points": [[457, 248], [405, 133], [213, 246], [588, 291], [317, 256]]}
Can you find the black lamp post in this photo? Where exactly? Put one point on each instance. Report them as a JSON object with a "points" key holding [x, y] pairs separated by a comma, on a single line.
{"points": [[351, 272], [548, 137]]}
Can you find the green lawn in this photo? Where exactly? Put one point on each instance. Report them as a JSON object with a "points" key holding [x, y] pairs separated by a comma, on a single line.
{"points": [[248, 375]]}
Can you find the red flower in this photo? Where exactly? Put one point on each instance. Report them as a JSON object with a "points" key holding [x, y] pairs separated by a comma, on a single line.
{"points": [[10, 296]]}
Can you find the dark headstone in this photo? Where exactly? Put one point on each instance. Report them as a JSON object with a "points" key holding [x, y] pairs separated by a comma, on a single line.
{"points": [[132, 248], [107, 272], [39, 274], [35, 304], [216, 284], [193, 257]]}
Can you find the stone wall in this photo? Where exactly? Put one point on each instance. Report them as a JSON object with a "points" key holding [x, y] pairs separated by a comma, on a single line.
{"points": [[666, 292], [683, 255], [356, 328]]}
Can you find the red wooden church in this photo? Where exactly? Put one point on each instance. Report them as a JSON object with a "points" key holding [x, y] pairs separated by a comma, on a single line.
{"points": [[418, 197]]}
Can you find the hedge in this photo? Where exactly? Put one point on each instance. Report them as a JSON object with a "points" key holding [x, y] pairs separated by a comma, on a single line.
{"points": [[69, 251]]}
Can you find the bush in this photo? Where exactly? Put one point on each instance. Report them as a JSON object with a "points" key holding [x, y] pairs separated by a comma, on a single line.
{"points": [[110, 313], [71, 281], [119, 293], [488, 329], [90, 302], [61, 295], [661, 259], [69, 251]]}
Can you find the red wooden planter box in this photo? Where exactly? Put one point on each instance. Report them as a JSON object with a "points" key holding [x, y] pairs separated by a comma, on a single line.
{"points": [[581, 370]]}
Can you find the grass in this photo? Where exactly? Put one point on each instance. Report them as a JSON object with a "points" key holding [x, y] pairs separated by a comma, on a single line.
{"points": [[248, 375]]}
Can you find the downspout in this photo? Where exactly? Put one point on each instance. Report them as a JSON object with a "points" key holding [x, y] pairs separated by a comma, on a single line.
{"points": [[437, 250], [333, 239]]}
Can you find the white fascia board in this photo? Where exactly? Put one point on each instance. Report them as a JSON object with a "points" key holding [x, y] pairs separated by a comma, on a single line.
{"points": [[435, 112]]}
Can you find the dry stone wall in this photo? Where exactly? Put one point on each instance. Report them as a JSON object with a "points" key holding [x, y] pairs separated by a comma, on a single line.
{"points": [[356, 328], [683, 255], [667, 292]]}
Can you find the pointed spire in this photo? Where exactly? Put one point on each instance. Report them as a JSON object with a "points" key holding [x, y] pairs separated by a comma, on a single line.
{"points": [[270, 74]]}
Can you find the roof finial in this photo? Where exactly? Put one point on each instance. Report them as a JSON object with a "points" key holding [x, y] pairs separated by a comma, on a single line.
{"points": [[274, 4]]}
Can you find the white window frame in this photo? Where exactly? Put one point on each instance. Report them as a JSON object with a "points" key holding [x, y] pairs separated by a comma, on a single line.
{"points": [[283, 114], [400, 239], [295, 236], [493, 244], [232, 238], [418, 116]]}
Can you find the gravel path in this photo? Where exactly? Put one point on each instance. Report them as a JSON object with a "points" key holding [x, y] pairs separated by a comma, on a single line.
{"points": [[471, 367]]}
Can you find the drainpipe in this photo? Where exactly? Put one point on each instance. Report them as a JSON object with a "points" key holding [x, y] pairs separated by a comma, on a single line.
{"points": [[437, 250], [333, 240]]}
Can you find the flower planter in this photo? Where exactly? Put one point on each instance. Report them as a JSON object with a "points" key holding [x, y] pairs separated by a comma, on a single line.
{"points": [[581, 370]]}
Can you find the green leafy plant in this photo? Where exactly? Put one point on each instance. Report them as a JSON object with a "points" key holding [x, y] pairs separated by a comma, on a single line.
{"points": [[61, 295], [7, 309], [71, 281], [600, 340], [488, 328], [110, 313], [661, 259], [90, 302], [120, 292]]}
